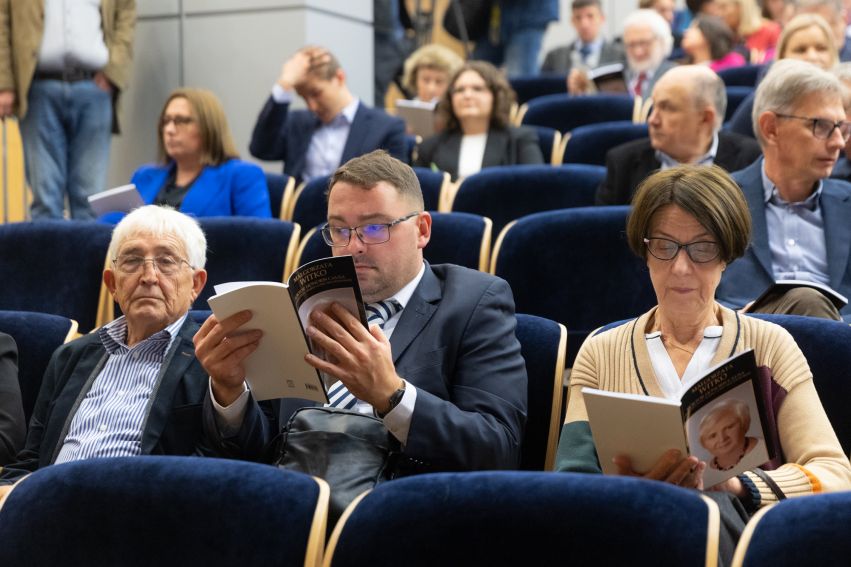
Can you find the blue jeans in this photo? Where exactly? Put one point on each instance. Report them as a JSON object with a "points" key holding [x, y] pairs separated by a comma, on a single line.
{"points": [[66, 134], [519, 51]]}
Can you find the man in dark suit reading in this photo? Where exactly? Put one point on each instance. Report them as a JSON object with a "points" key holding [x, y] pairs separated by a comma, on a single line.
{"points": [[689, 103], [335, 128], [445, 374]]}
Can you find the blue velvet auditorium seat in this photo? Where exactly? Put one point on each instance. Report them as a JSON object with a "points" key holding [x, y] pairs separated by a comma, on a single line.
{"points": [[543, 344], [527, 88], [589, 144], [54, 267], [37, 335], [311, 206], [246, 249], [164, 511], [812, 530], [574, 266], [735, 96], [281, 188], [564, 113], [743, 76], [827, 348], [456, 238], [526, 518], [504, 194]]}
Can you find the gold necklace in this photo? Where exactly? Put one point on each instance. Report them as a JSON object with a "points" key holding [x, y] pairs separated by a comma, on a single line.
{"points": [[668, 342]]}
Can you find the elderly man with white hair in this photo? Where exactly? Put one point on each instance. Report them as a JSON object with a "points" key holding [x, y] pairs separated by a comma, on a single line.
{"points": [[800, 217], [134, 386], [647, 42]]}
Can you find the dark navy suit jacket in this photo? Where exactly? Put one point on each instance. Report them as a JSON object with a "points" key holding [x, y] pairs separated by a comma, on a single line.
{"points": [[746, 278], [172, 426], [281, 134], [455, 342]]}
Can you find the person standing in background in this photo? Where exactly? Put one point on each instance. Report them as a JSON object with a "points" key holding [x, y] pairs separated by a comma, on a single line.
{"points": [[63, 64]]}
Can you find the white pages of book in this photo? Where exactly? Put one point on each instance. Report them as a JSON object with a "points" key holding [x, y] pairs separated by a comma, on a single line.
{"points": [[418, 115], [121, 199]]}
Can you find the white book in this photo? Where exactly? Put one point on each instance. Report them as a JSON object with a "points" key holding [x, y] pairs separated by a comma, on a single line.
{"points": [[122, 199], [418, 115], [277, 368]]}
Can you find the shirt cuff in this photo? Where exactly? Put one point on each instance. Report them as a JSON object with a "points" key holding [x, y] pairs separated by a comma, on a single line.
{"points": [[398, 420], [281, 95], [229, 418]]}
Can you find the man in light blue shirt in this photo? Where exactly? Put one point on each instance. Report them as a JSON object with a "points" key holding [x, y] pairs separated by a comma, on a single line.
{"points": [[134, 386], [800, 217]]}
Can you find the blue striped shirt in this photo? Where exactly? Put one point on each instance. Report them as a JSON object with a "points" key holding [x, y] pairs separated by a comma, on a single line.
{"points": [[111, 416]]}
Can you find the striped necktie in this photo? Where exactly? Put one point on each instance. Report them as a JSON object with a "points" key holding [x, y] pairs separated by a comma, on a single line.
{"points": [[376, 314]]}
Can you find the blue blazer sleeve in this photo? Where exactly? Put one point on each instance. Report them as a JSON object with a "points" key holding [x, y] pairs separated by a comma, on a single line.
{"points": [[13, 426], [269, 140]]}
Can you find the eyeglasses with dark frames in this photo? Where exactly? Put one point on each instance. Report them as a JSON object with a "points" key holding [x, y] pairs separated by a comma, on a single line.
{"points": [[373, 233], [665, 249], [822, 127], [179, 121], [165, 265]]}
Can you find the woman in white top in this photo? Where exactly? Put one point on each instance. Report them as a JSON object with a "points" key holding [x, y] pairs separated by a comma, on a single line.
{"points": [[476, 110]]}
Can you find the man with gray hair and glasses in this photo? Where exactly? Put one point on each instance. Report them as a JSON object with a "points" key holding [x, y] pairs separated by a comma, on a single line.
{"points": [[134, 386], [689, 103], [800, 217]]}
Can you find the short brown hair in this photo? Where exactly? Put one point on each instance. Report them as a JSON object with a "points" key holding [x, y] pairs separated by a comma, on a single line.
{"points": [[707, 193], [431, 56], [503, 95], [216, 140], [327, 69], [370, 169]]}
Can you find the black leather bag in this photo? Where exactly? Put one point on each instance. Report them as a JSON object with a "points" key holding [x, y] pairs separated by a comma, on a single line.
{"points": [[474, 16], [351, 451]]}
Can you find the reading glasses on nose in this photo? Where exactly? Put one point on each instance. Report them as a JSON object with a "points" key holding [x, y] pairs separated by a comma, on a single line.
{"points": [[166, 265], [822, 127], [665, 249], [373, 233]]}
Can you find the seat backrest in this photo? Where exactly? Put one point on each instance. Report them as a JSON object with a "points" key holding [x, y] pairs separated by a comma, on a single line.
{"points": [[549, 140], [742, 76], [526, 518], [280, 190], [246, 249], [735, 96], [37, 335], [527, 88], [171, 511], [54, 267], [798, 531], [504, 194], [827, 348], [543, 344], [311, 207], [564, 113], [589, 144], [456, 238], [432, 184], [584, 272]]}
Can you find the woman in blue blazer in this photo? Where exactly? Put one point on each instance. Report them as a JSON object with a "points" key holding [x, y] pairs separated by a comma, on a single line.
{"points": [[199, 171]]}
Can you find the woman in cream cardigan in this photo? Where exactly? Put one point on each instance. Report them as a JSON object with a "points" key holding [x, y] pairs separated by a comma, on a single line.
{"points": [[688, 223]]}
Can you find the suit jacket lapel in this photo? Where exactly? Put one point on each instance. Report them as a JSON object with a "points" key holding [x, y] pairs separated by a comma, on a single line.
{"points": [[496, 148], [357, 131], [175, 365], [417, 313], [301, 143], [753, 190], [836, 208]]}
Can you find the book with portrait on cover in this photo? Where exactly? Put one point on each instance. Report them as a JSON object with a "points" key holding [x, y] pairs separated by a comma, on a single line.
{"points": [[277, 368], [720, 417]]}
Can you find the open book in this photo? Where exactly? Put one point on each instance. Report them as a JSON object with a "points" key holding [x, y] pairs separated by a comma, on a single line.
{"points": [[834, 296], [121, 199], [720, 418], [609, 78], [277, 368], [418, 116]]}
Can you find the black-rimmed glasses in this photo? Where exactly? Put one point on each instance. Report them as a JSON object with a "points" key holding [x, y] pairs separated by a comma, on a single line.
{"points": [[665, 249], [373, 233], [166, 265], [822, 127], [179, 121]]}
